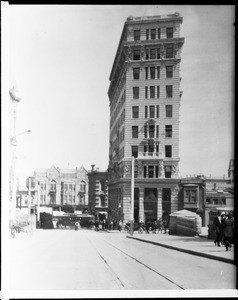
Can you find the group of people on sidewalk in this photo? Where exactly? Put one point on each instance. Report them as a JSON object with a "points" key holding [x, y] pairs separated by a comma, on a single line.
{"points": [[224, 229]]}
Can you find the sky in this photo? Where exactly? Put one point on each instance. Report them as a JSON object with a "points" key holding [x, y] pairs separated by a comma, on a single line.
{"points": [[60, 58]]}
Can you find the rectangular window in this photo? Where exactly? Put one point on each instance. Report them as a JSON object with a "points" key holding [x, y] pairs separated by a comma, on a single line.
{"points": [[169, 111], [146, 111], [152, 111], [145, 131], [158, 53], [168, 131], [151, 131], [136, 35], [147, 34], [153, 34], [135, 92], [145, 171], [146, 73], [168, 171], [151, 171], [134, 151], [135, 132], [135, 112], [169, 91], [145, 148], [158, 72], [158, 91], [157, 132], [156, 171], [146, 92], [159, 33], [190, 196], [152, 72], [152, 53], [208, 201], [168, 151], [157, 111], [223, 201], [136, 54], [169, 52], [136, 73], [157, 146], [169, 71], [147, 54], [169, 32], [166, 194], [152, 92]]}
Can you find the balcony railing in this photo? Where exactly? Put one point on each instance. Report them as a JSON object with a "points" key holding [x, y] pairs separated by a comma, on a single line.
{"points": [[150, 155]]}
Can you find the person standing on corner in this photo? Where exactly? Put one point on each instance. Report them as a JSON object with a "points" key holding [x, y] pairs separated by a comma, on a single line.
{"points": [[217, 225], [228, 231]]}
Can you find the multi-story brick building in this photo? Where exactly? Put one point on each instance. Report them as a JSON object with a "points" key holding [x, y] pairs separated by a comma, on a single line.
{"points": [[145, 96], [61, 188], [98, 192]]}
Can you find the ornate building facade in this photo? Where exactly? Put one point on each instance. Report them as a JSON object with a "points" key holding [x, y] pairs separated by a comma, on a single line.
{"points": [[61, 188], [144, 95]]}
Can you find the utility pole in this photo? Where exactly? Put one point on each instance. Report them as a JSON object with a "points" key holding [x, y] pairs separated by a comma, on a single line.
{"points": [[132, 197]]}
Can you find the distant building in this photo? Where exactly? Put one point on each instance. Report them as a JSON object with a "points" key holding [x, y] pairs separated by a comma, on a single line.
{"points": [[61, 189], [202, 194], [145, 98], [98, 191]]}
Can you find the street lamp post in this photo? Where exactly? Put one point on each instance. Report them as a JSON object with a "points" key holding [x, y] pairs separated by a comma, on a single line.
{"points": [[132, 197]]}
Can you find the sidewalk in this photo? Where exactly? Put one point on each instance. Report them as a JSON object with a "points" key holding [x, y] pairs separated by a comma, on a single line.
{"points": [[200, 245]]}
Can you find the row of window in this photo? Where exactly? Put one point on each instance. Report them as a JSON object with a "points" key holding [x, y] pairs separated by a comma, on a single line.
{"points": [[151, 171], [152, 72], [152, 111], [152, 92], [153, 53], [150, 149], [154, 33], [152, 131], [67, 187]]}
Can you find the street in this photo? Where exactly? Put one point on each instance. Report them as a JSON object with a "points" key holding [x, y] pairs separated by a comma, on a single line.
{"points": [[89, 260]]}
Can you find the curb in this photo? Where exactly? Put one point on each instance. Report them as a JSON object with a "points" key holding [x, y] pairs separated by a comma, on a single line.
{"points": [[223, 259]]}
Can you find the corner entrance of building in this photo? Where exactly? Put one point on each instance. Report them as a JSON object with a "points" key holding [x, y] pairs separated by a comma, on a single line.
{"points": [[150, 204]]}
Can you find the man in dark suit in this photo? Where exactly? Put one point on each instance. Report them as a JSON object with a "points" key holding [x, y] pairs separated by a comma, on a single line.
{"points": [[217, 225]]}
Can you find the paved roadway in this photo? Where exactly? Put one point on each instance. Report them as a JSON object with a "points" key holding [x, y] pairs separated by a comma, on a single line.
{"points": [[89, 260]]}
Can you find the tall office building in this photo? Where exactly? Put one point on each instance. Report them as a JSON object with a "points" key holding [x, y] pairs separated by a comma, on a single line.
{"points": [[144, 95]]}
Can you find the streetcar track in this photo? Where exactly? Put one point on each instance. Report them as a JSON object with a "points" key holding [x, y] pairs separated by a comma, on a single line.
{"points": [[110, 269], [138, 261]]}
